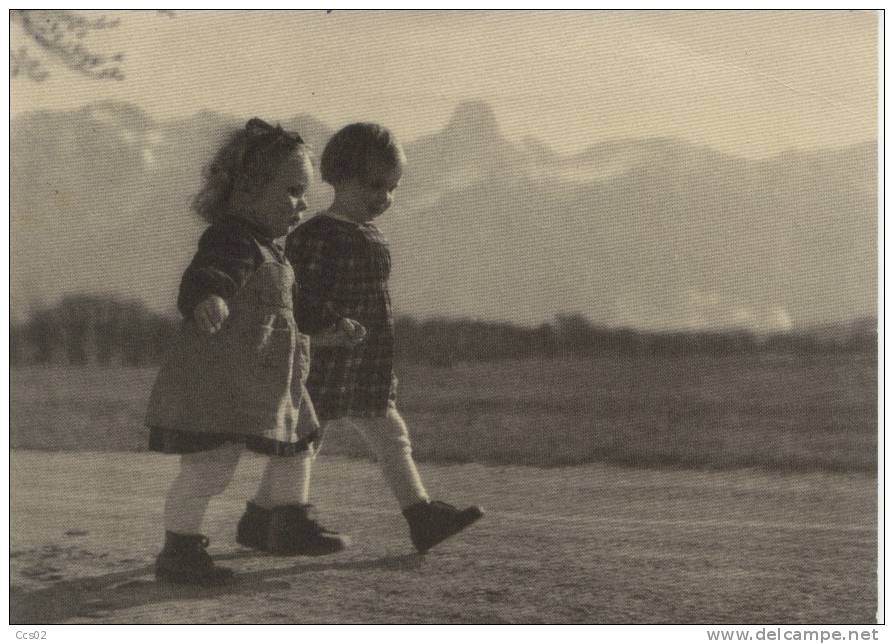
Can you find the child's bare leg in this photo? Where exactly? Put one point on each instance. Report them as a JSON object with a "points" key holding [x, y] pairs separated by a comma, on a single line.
{"points": [[389, 439], [202, 475]]}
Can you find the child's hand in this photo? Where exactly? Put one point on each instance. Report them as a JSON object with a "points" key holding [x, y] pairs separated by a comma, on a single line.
{"points": [[351, 330], [344, 333], [211, 313]]}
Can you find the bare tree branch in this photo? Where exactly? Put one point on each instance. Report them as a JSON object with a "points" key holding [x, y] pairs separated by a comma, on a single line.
{"points": [[21, 63], [62, 34]]}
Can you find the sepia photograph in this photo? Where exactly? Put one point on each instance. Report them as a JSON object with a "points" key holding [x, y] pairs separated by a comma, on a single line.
{"points": [[439, 317]]}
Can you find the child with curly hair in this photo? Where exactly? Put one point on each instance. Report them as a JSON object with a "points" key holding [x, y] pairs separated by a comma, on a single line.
{"points": [[235, 375]]}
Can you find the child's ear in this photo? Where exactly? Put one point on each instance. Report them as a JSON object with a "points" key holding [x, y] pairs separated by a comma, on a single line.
{"points": [[242, 195], [244, 187]]}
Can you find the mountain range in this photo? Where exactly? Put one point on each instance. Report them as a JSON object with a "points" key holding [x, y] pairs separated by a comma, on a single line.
{"points": [[654, 234]]}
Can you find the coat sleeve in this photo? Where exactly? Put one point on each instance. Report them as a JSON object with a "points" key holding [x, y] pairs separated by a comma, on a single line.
{"points": [[221, 266], [313, 259]]}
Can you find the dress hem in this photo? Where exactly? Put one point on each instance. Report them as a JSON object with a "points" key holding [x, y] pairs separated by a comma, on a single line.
{"points": [[354, 413], [176, 441]]}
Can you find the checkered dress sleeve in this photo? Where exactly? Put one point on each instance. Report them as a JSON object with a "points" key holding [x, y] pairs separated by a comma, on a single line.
{"points": [[313, 256]]}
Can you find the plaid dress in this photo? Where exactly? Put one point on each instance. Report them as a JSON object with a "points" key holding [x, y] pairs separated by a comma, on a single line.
{"points": [[342, 270]]}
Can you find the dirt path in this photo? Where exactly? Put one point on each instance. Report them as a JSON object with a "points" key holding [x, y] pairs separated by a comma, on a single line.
{"points": [[591, 544]]}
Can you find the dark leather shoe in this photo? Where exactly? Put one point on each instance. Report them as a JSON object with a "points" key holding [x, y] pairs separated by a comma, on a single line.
{"points": [[288, 530], [184, 560], [433, 521]]}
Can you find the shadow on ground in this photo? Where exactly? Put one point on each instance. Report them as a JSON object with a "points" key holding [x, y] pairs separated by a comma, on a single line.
{"points": [[94, 597]]}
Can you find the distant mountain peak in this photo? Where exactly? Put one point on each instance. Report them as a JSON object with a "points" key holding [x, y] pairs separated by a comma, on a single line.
{"points": [[537, 146], [654, 233], [314, 131], [473, 116], [122, 113], [308, 120]]}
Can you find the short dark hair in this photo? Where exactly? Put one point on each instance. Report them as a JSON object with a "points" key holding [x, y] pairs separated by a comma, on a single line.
{"points": [[351, 151]]}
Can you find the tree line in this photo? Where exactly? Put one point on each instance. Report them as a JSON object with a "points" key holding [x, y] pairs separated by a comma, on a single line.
{"points": [[83, 330], [444, 342]]}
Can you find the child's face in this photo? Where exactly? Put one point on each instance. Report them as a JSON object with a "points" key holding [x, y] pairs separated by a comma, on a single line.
{"points": [[371, 196], [280, 203]]}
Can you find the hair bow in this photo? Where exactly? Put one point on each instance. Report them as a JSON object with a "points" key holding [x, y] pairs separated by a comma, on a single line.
{"points": [[259, 128]]}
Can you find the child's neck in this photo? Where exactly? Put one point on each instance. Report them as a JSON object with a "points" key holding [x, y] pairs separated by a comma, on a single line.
{"points": [[341, 209], [252, 223]]}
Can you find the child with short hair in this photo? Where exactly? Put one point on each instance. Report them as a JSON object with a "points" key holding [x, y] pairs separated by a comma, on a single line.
{"points": [[342, 264], [235, 375]]}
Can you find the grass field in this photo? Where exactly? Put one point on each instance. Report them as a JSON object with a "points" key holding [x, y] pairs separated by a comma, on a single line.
{"points": [[780, 412]]}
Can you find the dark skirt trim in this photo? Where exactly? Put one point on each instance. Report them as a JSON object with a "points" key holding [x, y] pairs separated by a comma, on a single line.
{"points": [[175, 441]]}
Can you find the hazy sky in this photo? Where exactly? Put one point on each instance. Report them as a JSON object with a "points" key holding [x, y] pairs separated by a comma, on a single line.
{"points": [[750, 83]]}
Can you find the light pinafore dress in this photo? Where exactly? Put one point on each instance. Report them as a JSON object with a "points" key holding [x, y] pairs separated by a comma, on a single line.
{"points": [[245, 383]]}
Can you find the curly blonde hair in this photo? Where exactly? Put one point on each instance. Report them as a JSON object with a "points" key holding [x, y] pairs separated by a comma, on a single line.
{"points": [[246, 161]]}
